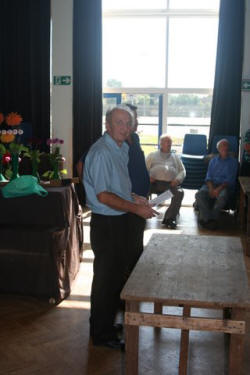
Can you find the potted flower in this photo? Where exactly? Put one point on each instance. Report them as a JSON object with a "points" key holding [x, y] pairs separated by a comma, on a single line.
{"points": [[56, 159]]}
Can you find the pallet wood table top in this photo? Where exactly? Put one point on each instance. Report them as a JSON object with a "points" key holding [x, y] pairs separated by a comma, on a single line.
{"points": [[199, 271]]}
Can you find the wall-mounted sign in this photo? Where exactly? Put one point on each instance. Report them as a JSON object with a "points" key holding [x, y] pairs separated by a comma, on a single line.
{"points": [[62, 80], [245, 84]]}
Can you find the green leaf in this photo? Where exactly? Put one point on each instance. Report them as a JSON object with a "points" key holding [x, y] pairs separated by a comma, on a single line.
{"points": [[2, 149]]}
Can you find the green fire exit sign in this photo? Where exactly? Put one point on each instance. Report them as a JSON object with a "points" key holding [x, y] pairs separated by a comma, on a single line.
{"points": [[246, 84], [62, 80]]}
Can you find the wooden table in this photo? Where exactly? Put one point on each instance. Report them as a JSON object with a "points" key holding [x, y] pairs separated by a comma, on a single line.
{"points": [[245, 209], [188, 271]]}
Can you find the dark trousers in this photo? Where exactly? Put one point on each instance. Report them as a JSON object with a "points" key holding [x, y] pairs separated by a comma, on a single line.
{"points": [[159, 187], [114, 241], [136, 226], [209, 208]]}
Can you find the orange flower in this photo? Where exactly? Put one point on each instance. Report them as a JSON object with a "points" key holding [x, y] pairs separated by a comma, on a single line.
{"points": [[13, 119], [7, 138], [1, 118]]}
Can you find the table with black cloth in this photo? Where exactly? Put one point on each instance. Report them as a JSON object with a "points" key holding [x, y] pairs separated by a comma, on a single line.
{"points": [[40, 243]]}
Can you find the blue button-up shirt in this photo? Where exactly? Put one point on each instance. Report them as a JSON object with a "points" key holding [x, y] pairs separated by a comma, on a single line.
{"points": [[222, 171], [105, 169]]}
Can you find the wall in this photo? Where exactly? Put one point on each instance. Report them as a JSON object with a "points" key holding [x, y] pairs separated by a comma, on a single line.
{"points": [[245, 98], [61, 102]]}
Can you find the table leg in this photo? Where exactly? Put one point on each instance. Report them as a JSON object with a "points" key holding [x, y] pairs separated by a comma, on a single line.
{"points": [[132, 341], [236, 349], [184, 344]]}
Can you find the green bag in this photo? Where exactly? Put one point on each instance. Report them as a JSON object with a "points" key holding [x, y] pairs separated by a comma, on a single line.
{"points": [[22, 186]]}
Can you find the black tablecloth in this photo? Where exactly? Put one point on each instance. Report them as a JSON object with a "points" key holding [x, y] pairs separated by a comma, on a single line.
{"points": [[40, 243], [50, 211]]}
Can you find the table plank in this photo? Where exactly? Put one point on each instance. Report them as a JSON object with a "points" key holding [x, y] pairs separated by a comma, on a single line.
{"points": [[236, 350], [184, 344], [200, 271]]}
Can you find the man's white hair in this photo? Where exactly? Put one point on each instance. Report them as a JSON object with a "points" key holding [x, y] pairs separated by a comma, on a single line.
{"points": [[123, 107], [223, 140], [163, 136]]}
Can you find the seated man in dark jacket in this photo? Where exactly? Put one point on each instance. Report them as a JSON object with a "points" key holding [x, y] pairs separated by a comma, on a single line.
{"points": [[219, 185]]}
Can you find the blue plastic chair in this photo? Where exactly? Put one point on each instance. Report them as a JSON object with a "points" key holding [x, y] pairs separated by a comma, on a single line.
{"points": [[193, 153], [195, 144]]}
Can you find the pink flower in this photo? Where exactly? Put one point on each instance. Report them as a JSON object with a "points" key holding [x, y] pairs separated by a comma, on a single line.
{"points": [[7, 159]]}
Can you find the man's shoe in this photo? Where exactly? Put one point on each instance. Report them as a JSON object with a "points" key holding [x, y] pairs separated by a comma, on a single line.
{"points": [[112, 344], [169, 223]]}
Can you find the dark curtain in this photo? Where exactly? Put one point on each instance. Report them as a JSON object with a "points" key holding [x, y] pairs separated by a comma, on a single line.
{"points": [[225, 116], [87, 75], [25, 62]]}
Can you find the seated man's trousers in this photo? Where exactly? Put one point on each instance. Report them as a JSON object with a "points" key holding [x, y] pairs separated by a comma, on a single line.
{"points": [[159, 187], [209, 208]]}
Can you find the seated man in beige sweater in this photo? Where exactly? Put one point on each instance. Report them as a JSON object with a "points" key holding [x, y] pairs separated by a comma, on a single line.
{"points": [[167, 172]]}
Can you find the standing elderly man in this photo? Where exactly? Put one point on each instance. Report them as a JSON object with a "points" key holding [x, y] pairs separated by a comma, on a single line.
{"points": [[108, 190], [219, 186], [167, 172]]}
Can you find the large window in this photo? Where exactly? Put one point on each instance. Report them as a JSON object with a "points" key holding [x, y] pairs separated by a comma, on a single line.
{"points": [[192, 42], [134, 52], [160, 55]]}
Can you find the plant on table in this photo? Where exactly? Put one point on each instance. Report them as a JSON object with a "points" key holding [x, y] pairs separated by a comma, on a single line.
{"points": [[56, 160]]}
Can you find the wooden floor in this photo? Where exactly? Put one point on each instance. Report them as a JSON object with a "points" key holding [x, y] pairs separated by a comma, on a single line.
{"points": [[39, 339]]}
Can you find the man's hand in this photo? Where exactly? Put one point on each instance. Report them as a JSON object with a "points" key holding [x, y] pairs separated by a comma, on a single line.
{"points": [[174, 183], [152, 179], [211, 189], [145, 211], [212, 193], [138, 199], [112, 200]]}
